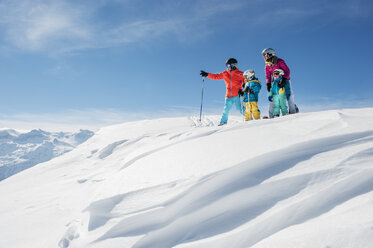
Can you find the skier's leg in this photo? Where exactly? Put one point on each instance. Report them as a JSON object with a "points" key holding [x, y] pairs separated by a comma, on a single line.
{"points": [[227, 107], [276, 105], [291, 101], [239, 104], [247, 112], [270, 109], [283, 104], [255, 110]]}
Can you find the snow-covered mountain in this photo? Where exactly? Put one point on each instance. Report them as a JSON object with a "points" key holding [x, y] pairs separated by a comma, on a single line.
{"points": [[22, 150], [303, 181]]}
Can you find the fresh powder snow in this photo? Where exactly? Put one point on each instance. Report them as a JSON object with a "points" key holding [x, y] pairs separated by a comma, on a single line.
{"points": [[301, 181]]}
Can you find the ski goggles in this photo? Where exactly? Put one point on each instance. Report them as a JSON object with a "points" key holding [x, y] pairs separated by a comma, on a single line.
{"points": [[268, 55], [230, 65], [276, 73]]}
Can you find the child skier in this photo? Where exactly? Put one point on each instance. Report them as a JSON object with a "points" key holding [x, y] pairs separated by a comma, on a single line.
{"points": [[251, 95], [279, 93], [234, 80]]}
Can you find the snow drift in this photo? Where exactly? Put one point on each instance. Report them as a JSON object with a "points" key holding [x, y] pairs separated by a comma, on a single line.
{"points": [[303, 180]]}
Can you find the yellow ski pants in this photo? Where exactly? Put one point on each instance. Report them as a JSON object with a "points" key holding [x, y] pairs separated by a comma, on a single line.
{"points": [[252, 111]]}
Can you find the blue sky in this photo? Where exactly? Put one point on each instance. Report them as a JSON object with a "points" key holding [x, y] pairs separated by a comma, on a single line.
{"points": [[108, 61]]}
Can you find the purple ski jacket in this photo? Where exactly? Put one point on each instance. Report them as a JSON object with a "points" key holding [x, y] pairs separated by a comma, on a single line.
{"points": [[279, 64]]}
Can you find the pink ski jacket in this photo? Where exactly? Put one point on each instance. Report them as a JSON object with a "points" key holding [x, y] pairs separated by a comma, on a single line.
{"points": [[279, 64]]}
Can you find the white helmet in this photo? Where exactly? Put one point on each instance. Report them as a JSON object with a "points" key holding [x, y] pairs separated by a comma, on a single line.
{"points": [[249, 74], [278, 72], [270, 52]]}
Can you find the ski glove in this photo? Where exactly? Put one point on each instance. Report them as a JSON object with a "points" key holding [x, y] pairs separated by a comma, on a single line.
{"points": [[270, 98], [240, 92], [287, 96], [269, 86], [204, 74], [282, 83]]}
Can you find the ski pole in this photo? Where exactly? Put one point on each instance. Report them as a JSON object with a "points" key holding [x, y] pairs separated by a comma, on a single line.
{"points": [[200, 111], [243, 113], [251, 117]]}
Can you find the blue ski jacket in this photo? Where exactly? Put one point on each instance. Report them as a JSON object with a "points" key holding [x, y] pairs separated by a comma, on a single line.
{"points": [[255, 85], [276, 90]]}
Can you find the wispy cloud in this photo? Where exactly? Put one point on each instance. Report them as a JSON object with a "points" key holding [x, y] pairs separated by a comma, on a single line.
{"points": [[138, 30], [36, 25], [62, 26], [58, 26]]}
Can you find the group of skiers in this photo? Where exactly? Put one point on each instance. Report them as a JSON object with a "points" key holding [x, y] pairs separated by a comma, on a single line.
{"points": [[246, 85]]}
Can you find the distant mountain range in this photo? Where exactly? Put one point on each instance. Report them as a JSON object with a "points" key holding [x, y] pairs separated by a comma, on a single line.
{"points": [[22, 150]]}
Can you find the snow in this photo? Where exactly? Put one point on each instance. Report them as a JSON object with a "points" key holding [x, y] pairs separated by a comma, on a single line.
{"points": [[22, 150], [303, 180]]}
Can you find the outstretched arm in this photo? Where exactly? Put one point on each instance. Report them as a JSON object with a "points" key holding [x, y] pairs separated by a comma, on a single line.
{"points": [[215, 76]]}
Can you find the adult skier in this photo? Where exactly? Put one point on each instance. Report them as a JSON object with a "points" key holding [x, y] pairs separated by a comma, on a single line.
{"points": [[273, 63], [234, 80]]}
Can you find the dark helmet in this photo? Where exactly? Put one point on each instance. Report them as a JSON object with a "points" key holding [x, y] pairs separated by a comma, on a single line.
{"points": [[231, 61], [231, 64]]}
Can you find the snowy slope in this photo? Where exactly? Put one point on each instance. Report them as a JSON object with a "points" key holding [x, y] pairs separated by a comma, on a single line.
{"points": [[22, 150], [303, 180]]}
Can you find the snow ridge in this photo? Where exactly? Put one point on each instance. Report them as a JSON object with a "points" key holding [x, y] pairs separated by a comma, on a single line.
{"points": [[207, 210], [303, 181]]}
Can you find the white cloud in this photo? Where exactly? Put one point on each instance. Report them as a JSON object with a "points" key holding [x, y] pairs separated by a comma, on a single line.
{"points": [[36, 25], [131, 32], [56, 26], [59, 26]]}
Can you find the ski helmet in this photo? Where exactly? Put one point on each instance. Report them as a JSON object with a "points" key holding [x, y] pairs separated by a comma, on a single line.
{"points": [[249, 74], [279, 72], [231, 64], [231, 61], [269, 52]]}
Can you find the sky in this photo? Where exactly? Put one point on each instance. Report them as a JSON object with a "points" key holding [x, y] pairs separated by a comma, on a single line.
{"points": [[93, 63]]}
